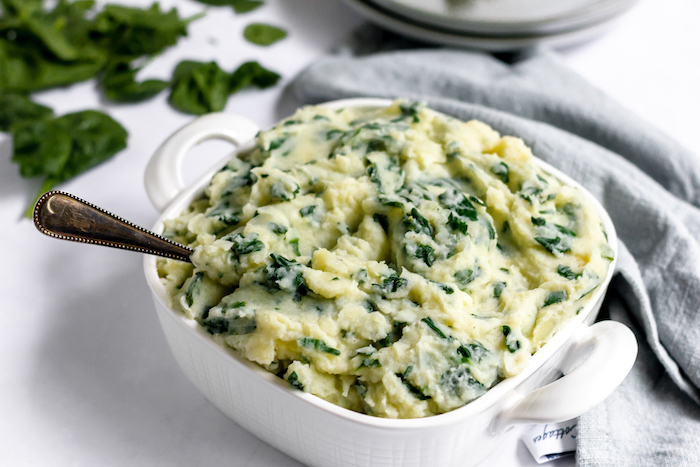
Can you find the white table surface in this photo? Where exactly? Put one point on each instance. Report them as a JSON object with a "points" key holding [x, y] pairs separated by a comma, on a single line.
{"points": [[86, 377]]}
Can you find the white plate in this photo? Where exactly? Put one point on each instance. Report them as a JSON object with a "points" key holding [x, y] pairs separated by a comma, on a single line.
{"points": [[506, 17], [480, 42]]}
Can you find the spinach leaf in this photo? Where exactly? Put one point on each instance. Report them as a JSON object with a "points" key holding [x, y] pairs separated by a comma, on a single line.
{"points": [[429, 322], [538, 220], [426, 253], [465, 276], [283, 191], [263, 34], [410, 110], [391, 284], [238, 326], [65, 147], [239, 6], [199, 87], [444, 287], [417, 223], [565, 271], [317, 344], [456, 223], [382, 220], [498, 289], [284, 274], [458, 201], [15, 108], [418, 393], [393, 336], [119, 84], [25, 68], [553, 245], [458, 379], [252, 74], [501, 170], [370, 363], [41, 148], [473, 350], [555, 297], [225, 213], [512, 344], [307, 211], [136, 32], [244, 244], [277, 228], [293, 379]]}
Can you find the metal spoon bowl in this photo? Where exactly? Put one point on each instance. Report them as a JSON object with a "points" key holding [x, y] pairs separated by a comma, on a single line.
{"points": [[67, 217]]}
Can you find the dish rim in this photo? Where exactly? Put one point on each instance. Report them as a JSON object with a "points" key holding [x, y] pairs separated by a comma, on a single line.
{"points": [[493, 396]]}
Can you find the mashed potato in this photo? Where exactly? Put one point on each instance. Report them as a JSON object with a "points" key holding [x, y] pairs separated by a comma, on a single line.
{"points": [[396, 261]]}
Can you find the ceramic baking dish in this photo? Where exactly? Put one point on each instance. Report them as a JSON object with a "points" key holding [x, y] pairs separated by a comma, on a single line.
{"points": [[594, 358]]}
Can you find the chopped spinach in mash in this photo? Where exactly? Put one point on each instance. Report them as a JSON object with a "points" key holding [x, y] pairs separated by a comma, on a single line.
{"points": [[394, 261]]}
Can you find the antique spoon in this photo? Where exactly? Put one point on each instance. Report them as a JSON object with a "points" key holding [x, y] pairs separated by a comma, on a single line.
{"points": [[62, 215]]}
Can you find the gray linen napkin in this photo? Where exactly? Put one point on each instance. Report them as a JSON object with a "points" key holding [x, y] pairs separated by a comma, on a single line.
{"points": [[648, 183]]}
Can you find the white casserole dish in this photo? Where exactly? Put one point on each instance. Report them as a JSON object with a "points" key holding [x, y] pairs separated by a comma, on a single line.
{"points": [[319, 433]]}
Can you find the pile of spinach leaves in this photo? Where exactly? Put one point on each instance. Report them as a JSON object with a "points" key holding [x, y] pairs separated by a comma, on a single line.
{"points": [[43, 48]]}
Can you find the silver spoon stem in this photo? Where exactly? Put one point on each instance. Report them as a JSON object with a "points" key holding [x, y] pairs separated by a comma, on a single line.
{"points": [[67, 217]]}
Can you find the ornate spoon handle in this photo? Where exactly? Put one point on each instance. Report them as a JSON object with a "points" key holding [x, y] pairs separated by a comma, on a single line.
{"points": [[62, 215]]}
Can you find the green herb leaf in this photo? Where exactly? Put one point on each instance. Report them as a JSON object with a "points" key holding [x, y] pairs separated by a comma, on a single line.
{"points": [[239, 6], [555, 297], [553, 245], [429, 322], [426, 253], [538, 220], [418, 393], [512, 344], [502, 171], [136, 31], [252, 74], [317, 344], [307, 211], [498, 289], [417, 223], [284, 274], [263, 34], [565, 271], [199, 88], [295, 246], [391, 284], [382, 220], [293, 379], [277, 228], [119, 84], [15, 109], [370, 363]]}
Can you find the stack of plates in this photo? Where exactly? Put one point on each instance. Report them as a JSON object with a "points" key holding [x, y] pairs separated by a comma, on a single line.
{"points": [[494, 25]]}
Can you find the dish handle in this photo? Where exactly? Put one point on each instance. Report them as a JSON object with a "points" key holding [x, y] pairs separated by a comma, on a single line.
{"points": [[163, 178], [614, 351]]}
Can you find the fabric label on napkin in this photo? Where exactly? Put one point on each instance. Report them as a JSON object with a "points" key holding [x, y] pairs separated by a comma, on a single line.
{"points": [[552, 441]]}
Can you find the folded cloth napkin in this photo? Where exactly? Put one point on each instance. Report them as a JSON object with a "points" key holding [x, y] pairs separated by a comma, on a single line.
{"points": [[648, 183]]}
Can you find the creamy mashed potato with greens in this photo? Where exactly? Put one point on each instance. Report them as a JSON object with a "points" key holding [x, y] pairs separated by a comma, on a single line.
{"points": [[396, 261]]}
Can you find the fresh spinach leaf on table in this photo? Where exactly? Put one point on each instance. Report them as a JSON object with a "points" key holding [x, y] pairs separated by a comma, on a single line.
{"points": [[62, 148], [263, 34], [240, 6], [201, 87], [119, 83], [252, 74], [136, 32], [15, 108]]}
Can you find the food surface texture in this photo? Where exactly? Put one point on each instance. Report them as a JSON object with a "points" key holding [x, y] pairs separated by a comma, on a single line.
{"points": [[394, 261]]}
